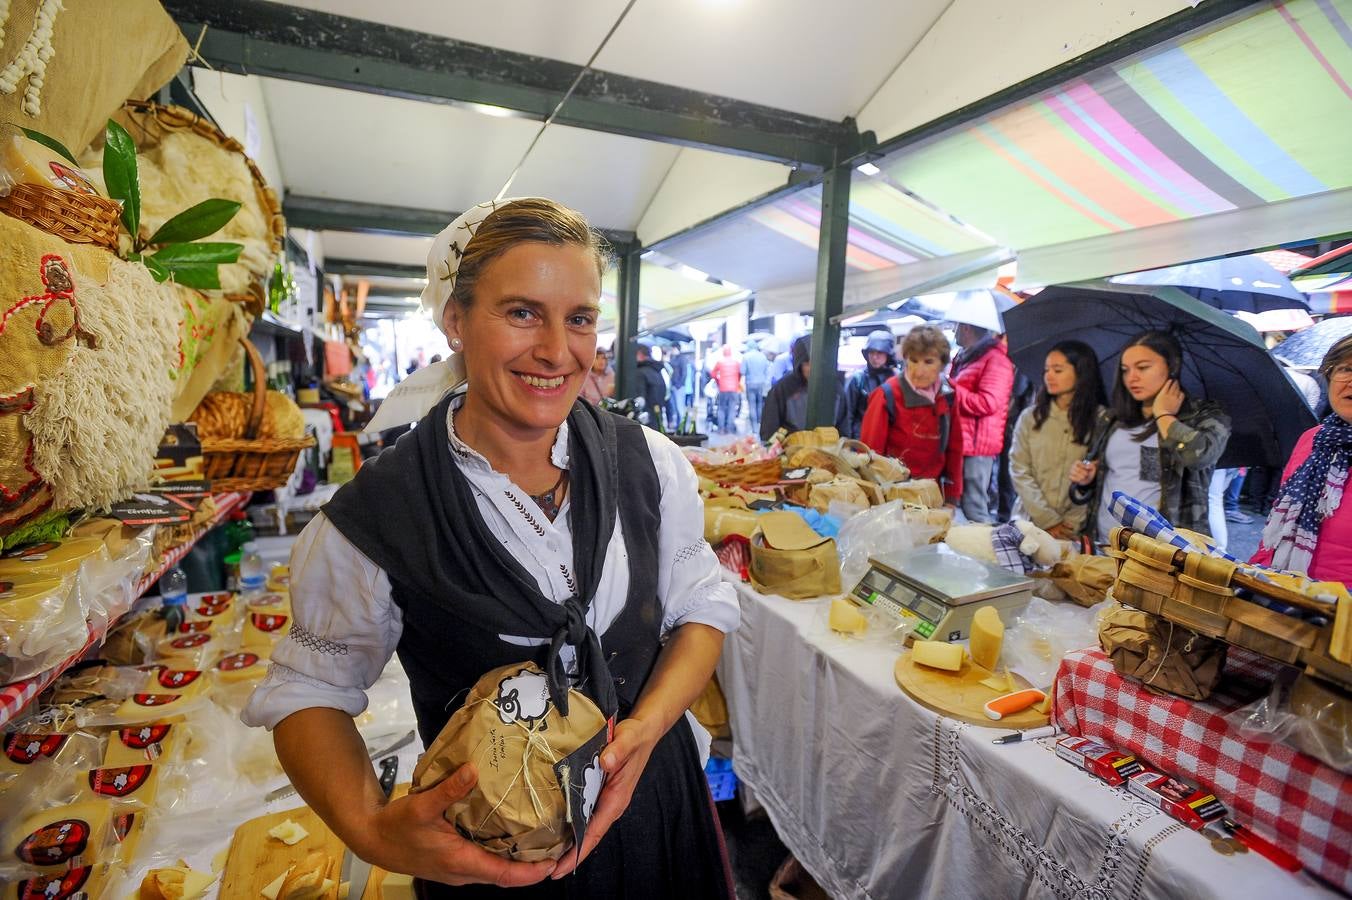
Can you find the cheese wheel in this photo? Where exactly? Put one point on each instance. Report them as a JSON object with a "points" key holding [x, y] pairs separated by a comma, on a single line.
{"points": [[846, 617], [937, 655], [49, 559], [988, 634], [26, 161]]}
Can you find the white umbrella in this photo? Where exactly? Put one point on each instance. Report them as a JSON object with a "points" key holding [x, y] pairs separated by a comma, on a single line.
{"points": [[979, 308]]}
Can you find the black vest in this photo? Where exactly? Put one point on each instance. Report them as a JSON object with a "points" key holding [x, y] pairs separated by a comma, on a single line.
{"points": [[445, 652]]}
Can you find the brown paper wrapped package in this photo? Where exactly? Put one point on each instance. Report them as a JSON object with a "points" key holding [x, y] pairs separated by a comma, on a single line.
{"points": [[1165, 657], [790, 559], [922, 491], [1085, 578], [517, 809]]}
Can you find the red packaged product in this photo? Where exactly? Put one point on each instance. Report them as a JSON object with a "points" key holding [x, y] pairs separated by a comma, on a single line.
{"points": [[1098, 760], [1190, 805]]}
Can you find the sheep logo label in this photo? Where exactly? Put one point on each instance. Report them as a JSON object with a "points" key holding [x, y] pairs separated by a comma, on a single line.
{"points": [[524, 697], [592, 778]]}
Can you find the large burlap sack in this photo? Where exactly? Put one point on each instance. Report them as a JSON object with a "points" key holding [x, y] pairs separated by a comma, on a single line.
{"points": [[514, 736], [1165, 657], [102, 53], [790, 559]]}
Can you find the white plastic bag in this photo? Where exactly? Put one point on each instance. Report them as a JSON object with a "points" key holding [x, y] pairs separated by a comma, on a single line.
{"points": [[1044, 632], [882, 529]]}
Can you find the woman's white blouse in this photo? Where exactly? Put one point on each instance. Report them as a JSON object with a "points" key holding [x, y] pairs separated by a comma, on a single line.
{"points": [[345, 625]]}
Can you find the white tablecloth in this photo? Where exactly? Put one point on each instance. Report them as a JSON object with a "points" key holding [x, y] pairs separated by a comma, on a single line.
{"points": [[880, 798]]}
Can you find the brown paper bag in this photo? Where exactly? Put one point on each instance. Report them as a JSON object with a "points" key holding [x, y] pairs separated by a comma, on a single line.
{"points": [[1086, 579], [923, 491], [711, 709], [514, 735], [1166, 657], [846, 490], [790, 559]]}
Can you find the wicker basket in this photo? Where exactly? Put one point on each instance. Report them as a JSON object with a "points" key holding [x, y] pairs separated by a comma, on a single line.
{"points": [[74, 217], [248, 463], [767, 471], [1200, 592]]}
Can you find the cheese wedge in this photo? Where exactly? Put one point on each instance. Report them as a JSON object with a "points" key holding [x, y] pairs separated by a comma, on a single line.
{"points": [[1002, 683], [26, 161], [288, 832], [988, 634], [140, 744], [175, 883], [846, 617], [274, 887], [396, 887], [937, 655], [138, 784]]}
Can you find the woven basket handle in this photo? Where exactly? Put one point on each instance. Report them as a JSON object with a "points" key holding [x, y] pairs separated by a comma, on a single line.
{"points": [[260, 387]]}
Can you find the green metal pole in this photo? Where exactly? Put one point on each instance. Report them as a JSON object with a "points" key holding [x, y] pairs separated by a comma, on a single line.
{"points": [[831, 243], [626, 322]]}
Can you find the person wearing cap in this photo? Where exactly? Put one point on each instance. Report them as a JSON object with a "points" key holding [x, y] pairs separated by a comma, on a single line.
{"points": [[513, 523], [880, 364], [983, 377], [1310, 527], [786, 404]]}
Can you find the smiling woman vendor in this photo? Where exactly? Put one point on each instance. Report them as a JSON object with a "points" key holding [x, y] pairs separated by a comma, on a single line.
{"points": [[514, 523]]}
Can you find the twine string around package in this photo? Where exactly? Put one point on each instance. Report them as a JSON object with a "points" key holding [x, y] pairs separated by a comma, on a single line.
{"points": [[1164, 657], [535, 743]]}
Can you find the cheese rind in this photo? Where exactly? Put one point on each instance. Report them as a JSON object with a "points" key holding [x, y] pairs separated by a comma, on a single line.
{"points": [[988, 634], [846, 617], [937, 655]]}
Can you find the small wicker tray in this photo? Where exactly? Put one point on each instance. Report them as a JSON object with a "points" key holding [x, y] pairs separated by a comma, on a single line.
{"points": [[1199, 592], [74, 217], [767, 471], [248, 463]]}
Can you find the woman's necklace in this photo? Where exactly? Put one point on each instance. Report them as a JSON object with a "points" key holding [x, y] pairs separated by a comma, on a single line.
{"points": [[548, 501]]}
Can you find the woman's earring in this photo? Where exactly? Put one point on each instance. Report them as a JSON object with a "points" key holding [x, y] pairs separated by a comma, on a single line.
{"points": [[457, 345]]}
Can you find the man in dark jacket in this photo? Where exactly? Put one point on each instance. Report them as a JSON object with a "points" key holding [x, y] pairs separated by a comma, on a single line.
{"points": [[880, 364], [786, 404], [652, 387]]}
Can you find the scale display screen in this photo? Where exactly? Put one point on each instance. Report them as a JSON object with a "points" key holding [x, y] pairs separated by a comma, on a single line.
{"points": [[880, 590]]}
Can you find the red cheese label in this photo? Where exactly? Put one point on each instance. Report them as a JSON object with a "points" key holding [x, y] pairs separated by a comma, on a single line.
{"points": [[59, 886], [118, 782], [54, 844], [267, 600], [122, 826], [72, 178], [28, 748], [194, 627], [154, 699], [178, 678], [236, 661], [267, 622], [212, 611], [189, 641], [6, 589], [143, 737]]}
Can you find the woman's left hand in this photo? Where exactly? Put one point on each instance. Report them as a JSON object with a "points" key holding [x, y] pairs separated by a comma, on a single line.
{"points": [[1169, 400], [623, 761]]}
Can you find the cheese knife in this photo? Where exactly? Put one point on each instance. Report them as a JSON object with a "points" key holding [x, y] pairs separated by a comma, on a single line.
{"points": [[356, 871], [289, 789]]}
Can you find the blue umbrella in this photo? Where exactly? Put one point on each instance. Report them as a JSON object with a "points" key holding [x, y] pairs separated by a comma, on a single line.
{"points": [[1236, 284], [1224, 359], [1306, 348]]}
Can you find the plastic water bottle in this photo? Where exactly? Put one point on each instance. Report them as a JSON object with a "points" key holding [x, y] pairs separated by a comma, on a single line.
{"points": [[251, 575], [174, 588]]}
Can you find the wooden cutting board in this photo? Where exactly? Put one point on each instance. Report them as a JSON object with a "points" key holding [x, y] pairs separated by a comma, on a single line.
{"points": [[256, 859], [960, 695]]}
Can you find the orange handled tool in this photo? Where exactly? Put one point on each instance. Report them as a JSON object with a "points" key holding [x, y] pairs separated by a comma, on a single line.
{"points": [[1009, 704], [1262, 846]]}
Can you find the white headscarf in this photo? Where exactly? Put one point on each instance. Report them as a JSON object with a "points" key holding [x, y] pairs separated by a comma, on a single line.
{"points": [[415, 395]]}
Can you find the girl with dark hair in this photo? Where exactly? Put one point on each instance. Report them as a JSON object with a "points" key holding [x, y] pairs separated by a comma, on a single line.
{"points": [[1055, 433], [1157, 444]]}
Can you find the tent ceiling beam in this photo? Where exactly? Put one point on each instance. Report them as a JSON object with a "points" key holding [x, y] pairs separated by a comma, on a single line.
{"points": [[698, 312], [832, 241], [327, 214], [626, 328], [255, 37], [358, 268]]}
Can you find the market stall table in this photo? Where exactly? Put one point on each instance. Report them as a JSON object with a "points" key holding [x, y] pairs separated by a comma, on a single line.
{"points": [[1305, 805], [880, 798]]}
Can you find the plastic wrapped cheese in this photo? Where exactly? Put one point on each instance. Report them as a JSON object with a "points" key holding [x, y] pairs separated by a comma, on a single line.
{"points": [[246, 665], [937, 655], [137, 784], [988, 634], [42, 621], [50, 559], [846, 617], [264, 629], [147, 743], [180, 680], [25, 161], [69, 884], [72, 835]]}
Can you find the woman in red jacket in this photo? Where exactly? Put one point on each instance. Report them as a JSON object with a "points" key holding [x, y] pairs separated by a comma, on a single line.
{"points": [[914, 418]]}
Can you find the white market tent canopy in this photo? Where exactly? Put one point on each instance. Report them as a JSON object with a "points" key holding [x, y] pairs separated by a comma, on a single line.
{"points": [[380, 121]]}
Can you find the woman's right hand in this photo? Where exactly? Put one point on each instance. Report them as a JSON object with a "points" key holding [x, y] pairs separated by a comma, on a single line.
{"points": [[411, 835], [1062, 532], [1083, 473]]}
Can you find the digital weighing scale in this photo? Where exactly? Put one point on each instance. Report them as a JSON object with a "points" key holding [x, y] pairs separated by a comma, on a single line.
{"points": [[937, 590]]}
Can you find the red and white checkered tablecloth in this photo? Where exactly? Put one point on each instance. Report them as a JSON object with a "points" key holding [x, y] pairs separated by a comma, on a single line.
{"points": [[1285, 795]]}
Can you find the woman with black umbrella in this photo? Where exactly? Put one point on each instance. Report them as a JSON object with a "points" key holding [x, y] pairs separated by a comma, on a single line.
{"points": [[1159, 445]]}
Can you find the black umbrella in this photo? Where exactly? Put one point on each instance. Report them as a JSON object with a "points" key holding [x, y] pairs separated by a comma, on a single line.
{"points": [[1224, 359], [1306, 348]]}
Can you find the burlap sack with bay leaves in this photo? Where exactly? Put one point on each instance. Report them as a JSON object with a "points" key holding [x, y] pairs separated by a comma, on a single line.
{"points": [[513, 734], [1165, 657]]}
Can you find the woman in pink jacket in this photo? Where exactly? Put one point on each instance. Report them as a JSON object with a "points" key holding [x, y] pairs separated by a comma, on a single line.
{"points": [[1310, 527]]}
